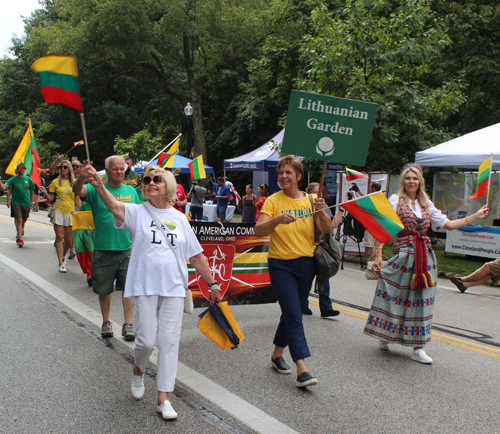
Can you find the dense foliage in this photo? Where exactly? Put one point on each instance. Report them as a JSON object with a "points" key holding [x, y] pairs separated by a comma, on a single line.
{"points": [[431, 66]]}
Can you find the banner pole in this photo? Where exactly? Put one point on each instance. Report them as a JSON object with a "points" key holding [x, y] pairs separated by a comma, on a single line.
{"points": [[489, 181], [322, 179], [82, 117], [180, 134]]}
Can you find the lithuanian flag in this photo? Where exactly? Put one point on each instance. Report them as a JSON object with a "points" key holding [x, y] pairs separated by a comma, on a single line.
{"points": [[83, 237], [58, 77], [483, 178], [27, 154], [197, 168], [376, 214], [351, 175]]}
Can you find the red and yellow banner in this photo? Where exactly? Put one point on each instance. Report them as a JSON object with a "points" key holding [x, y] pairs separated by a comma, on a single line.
{"points": [[238, 261]]}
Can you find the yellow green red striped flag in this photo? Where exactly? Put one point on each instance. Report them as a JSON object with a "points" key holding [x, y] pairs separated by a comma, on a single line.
{"points": [[483, 178], [58, 77], [351, 174], [168, 162], [376, 214], [197, 168]]}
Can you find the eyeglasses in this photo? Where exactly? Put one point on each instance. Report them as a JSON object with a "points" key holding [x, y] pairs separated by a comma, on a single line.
{"points": [[157, 179], [76, 166], [63, 167]]}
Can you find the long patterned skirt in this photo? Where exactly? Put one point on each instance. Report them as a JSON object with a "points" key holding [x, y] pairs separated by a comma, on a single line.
{"points": [[401, 315]]}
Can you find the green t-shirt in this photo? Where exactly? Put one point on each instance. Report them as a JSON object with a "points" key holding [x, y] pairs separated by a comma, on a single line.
{"points": [[139, 194], [21, 190], [107, 237]]}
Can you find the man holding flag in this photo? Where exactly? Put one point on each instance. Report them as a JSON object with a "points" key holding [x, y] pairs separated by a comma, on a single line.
{"points": [[20, 195]]}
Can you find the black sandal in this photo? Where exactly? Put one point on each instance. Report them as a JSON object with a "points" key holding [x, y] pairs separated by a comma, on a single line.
{"points": [[458, 283]]}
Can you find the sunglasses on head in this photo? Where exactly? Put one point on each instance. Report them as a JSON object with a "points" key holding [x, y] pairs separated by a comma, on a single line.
{"points": [[63, 167], [157, 179]]}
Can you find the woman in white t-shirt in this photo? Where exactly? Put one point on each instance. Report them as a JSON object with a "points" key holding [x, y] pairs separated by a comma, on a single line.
{"points": [[155, 278]]}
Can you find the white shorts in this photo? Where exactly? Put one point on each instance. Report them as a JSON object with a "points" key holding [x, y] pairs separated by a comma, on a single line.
{"points": [[62, 219]]}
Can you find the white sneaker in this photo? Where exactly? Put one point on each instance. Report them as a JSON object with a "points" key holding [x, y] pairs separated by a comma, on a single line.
{"points": [[138, 386], [62, 269], [167, 411], [383, 345], [421, 357]]}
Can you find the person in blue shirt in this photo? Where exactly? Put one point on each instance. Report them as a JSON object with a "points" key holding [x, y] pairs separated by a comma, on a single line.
{"points": [[222, 199]]}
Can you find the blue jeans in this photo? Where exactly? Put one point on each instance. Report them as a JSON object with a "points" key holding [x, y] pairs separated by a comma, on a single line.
{"points": [[291, 281], [196, 212]]}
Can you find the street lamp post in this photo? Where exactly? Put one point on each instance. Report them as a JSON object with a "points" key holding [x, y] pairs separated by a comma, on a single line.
{"points": [[188, 110]]}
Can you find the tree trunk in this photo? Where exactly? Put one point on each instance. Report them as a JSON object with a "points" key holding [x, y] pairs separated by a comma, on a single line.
{"points": [[199, 136]]}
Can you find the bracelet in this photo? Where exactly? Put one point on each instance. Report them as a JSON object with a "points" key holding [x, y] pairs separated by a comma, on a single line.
{"points": [[467, 220]]}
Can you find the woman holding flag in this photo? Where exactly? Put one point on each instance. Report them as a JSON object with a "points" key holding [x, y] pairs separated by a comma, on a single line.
{"points": [[403, 305]]}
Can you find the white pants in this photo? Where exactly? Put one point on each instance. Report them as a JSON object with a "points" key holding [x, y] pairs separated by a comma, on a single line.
{"points": [[158, 319]]}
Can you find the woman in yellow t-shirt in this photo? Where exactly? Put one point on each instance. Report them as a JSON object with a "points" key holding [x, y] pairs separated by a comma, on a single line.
{"points": [[61, 195], [287, 217]]}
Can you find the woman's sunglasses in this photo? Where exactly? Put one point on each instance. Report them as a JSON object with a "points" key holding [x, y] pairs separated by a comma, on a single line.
{"points": [[157, 179], [63, 167]]}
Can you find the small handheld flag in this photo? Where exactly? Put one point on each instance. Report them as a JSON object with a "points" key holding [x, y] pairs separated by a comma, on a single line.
{"points": [[483, 178], [352, 175], [197, 168], [78, 143], [376, 214]]}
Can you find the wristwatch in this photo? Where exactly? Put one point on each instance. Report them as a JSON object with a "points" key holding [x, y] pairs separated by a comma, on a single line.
{"points": [[213, 285]]}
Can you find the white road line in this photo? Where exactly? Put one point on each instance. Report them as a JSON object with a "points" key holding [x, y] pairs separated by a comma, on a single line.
{"points": [[237, 407]]}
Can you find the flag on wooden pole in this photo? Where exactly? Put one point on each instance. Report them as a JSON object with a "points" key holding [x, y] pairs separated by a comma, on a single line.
{"points": [[27, 154], [58, 77]]}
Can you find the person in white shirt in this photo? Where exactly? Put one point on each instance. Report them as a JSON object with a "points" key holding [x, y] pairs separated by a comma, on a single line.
{"points": [[155, 278]]}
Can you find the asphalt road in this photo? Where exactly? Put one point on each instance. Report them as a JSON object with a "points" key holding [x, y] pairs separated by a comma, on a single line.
{"points": [[60, 376]]}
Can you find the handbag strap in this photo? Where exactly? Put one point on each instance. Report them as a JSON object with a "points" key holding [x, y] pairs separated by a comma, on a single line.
{"points": [[58, 203], [168, 243]]}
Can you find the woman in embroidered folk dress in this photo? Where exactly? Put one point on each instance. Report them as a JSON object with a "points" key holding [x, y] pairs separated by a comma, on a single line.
{"points": [[154, 277], [403, 305]]}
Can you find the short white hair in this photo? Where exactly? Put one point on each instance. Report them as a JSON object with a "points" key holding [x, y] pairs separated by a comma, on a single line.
{"points": [[108, 160]]}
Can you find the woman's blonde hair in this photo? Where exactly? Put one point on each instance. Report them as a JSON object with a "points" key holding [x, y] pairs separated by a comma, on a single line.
{"points": [[311, 186], [71, 174], [422, 197], [168, 177]]}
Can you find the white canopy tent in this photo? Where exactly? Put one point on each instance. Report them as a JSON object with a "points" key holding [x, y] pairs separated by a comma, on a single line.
{"points": [[467, 151]]}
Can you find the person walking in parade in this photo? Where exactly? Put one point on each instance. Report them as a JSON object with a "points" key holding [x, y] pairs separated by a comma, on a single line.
{"points": [[111, 246], [287, 217], [65, 202], [20, 193], [154, 280], [403, 305]]}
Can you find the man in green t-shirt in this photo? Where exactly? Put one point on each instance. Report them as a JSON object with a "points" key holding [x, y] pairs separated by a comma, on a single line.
{"points": [[111, 246], [20, 195]]}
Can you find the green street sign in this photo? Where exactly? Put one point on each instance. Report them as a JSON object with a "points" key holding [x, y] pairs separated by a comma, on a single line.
{"points": [[328, 128]]}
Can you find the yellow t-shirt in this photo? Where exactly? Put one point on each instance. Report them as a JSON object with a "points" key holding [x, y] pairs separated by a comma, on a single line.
{"points": [[296, 239], [68, 202]]}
